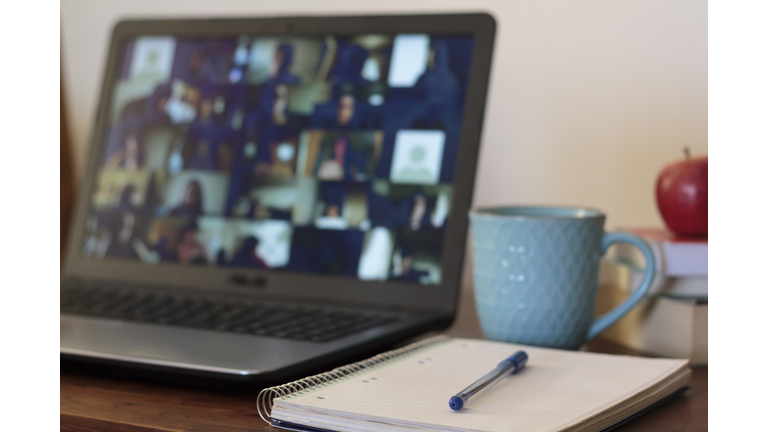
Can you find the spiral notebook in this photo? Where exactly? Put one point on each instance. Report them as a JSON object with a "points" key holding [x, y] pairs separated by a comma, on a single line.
{"points": [[408, 390]]}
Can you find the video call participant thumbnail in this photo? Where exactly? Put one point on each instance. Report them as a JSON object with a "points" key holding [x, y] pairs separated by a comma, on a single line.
{"points": [[342, 205], [339, 155], [408, 207], [258, 244], [334, 252], [194, 193], [416, 257]]}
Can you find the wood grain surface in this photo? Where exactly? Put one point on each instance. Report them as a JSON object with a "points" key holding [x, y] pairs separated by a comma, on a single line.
{"points": [[98, 402]]}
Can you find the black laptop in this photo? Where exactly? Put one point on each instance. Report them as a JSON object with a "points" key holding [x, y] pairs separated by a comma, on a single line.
{"points": [[265, 196]]}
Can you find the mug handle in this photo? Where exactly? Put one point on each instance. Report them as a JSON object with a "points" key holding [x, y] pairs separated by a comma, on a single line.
{"points": [[607, 320]]}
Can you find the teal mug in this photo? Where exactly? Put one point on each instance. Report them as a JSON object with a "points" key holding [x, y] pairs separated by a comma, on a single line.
{"points": [[535, 274]]}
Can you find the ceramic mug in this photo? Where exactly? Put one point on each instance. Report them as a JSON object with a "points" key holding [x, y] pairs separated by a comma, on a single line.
{"points": [[535, 274]]}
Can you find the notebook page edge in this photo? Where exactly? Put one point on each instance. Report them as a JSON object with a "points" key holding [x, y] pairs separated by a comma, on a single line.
{"points": [[670, 371], [614, 418], [325, 418]]}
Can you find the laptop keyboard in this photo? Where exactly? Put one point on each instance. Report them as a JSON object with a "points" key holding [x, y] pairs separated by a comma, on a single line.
{"points": [[305, 323]]}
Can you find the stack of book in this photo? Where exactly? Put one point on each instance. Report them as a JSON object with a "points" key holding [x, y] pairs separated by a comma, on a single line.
{"points": [[672, 321]]}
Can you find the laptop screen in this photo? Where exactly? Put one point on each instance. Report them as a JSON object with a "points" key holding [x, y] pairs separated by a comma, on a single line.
{"points": [[327, 155]]}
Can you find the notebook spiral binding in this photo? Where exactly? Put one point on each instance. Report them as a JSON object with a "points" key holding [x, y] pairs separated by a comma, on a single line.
{"points": [[264, 401]]}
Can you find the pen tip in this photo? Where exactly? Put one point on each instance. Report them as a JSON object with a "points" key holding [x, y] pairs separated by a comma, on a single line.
{"points": [[456, 403]]}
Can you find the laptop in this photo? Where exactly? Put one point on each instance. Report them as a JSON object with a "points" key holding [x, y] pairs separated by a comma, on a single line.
{"points": [[267, 196]]}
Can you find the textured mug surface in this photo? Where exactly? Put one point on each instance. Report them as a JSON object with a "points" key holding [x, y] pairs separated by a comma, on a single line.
{"points": [[536, 270]]}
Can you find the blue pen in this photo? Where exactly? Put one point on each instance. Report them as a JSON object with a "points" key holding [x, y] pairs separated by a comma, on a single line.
{"points": [[514, 363]]}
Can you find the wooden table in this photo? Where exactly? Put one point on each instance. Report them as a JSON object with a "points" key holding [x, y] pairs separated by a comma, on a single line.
{"points": [[98, 402]]}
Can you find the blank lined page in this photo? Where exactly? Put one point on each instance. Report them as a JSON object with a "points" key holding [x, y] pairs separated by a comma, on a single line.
{"points": [[555, 389]]}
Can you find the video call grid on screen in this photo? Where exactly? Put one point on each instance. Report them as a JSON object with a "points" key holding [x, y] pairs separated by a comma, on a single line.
{"points": [[326, 155]]}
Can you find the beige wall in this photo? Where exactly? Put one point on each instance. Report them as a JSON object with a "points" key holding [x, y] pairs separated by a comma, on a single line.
{"points": [[588, 98]]}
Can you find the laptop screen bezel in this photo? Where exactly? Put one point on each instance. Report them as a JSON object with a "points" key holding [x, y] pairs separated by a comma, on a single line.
{"points": [[302, 286]]}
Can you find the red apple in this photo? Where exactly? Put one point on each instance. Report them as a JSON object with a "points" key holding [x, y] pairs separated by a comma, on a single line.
{"points": [[681, 194]]}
